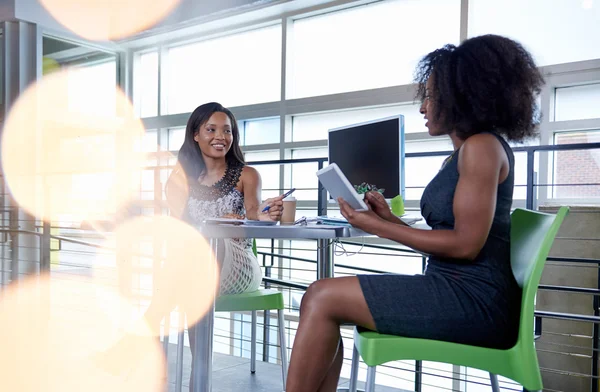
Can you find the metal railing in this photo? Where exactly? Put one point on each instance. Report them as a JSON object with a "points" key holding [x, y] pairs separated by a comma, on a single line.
{"points": [[273, 252], [269, 256]]}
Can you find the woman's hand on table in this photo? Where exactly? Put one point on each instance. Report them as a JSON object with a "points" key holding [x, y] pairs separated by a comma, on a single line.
{"points": [[275, 210], [364, 220]]}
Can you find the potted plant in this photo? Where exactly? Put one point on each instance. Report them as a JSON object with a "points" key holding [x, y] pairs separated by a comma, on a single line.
{"points": [[365, 187]]}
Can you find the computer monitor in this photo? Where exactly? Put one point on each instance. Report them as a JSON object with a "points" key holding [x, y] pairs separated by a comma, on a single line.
{"points": [[371, 152]]}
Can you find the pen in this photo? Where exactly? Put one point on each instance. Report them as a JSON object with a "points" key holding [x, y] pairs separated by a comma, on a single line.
{"points": [[284, 196]]}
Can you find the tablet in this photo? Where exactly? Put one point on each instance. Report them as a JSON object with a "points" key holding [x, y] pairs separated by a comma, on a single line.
{"points": [[338, 185]]}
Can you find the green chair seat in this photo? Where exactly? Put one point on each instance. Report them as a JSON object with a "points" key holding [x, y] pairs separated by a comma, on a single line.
{"points": [[262, 299], [257, 300], [532, 235], [376, 349]]}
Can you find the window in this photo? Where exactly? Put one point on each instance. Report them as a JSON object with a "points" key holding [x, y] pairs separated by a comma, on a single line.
{"points": [[176, 138], [369, 46], [269, 174], [235, 70], [145, 84], [577, 172], [520, 175], [559, 33], [149, 141], [577, 102], [147, 184], [317, 126], [263, 131], [303, 175], [421, 170], [100, 78]]}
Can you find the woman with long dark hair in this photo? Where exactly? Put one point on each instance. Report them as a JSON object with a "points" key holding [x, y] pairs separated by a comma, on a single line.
{"points": [[212, 180]]}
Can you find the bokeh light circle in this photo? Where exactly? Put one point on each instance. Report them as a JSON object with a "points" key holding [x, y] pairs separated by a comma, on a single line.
{"points": [[60, 335], [108, 19], [69, 150], [168, 260]]}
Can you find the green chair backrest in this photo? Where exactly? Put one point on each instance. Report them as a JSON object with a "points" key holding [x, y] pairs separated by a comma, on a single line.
{"points": [[532, 234]]}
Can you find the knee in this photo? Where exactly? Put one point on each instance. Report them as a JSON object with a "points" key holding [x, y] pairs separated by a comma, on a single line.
{"points": [[315, 298]]}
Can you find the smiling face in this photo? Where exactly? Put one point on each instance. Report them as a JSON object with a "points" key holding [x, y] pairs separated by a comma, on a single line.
{"points": [[215, 137]]}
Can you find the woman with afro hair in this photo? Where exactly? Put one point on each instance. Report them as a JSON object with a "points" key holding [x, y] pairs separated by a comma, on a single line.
{"points": [[481, 94]]}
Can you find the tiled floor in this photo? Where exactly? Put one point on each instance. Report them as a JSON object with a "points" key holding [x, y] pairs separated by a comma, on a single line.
{"points": [[232, 374]]}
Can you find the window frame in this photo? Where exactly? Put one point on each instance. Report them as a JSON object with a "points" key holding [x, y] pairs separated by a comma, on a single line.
{"points": [[561, 75]]}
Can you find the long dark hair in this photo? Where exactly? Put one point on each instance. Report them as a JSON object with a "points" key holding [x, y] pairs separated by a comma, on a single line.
{"points": [[190, 157]]}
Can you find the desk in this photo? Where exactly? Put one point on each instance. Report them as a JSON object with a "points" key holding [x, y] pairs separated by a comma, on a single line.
{"points": [[202, 371], [204, 329]]}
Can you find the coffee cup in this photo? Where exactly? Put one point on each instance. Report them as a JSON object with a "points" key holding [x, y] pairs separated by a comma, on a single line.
{"points": [[289, 211]]}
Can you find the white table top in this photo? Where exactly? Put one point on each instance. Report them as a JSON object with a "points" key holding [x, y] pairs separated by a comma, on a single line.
{"points": [[287, 232], [281, 232]]}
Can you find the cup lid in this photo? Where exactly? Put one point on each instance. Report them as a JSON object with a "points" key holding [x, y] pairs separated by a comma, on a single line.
{"points": [[290, 198]]}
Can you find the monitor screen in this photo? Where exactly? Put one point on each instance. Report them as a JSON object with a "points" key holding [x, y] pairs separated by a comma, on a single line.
{"points": [[371, 152]]}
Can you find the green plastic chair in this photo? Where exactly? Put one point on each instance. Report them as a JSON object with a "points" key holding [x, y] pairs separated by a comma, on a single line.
{"points": [[532, 235], [262, 299]]}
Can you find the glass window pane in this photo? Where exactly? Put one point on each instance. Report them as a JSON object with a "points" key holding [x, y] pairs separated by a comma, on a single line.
{"points": [[147, 185], [235, 70], [99, 78], [145, 83], [520, 189], [303, 175], [316, 126], [577, 172], [558, 32], [369, 46], [149, 141], [269, 174], [261, 131], [176, 137], [420, 171], [577, 102]]}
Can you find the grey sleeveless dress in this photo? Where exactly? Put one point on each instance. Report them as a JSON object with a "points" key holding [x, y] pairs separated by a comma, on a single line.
{"points": [[472, 302]]}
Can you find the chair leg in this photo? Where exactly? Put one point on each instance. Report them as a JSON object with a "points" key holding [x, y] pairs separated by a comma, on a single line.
{"points": [[253, 344], [494, 382], [354, 370], [283, 346], [370, 384]]}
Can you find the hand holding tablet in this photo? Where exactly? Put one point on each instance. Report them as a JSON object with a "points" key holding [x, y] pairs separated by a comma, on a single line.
{"points": [[338, 185]]}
